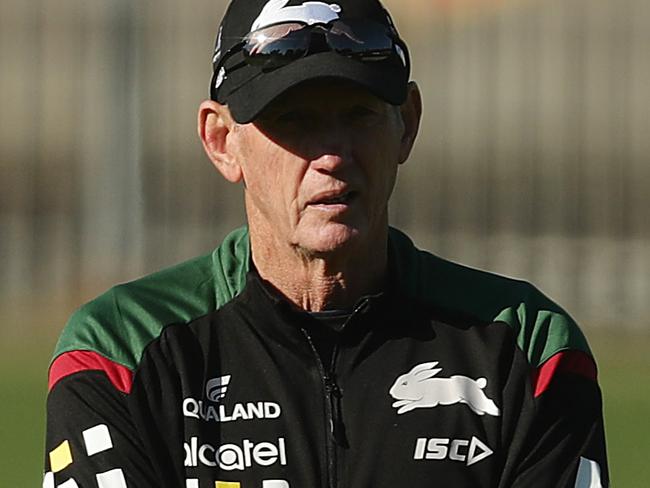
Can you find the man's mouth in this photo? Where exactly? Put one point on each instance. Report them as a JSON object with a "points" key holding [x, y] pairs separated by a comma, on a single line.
{"points": [[334, 199]]}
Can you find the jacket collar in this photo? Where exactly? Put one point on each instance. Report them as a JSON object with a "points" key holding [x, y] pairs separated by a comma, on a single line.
{"points": [[232, 262]]}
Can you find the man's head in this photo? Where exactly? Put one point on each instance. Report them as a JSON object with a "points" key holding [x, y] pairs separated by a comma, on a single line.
{"points": [[265, 47], [318, 151]]}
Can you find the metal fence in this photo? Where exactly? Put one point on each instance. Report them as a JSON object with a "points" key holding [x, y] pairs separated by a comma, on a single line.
{"points": [[532, 160]]}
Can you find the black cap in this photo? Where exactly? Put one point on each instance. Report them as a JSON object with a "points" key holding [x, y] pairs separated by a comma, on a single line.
{"points": [[248, 89]]}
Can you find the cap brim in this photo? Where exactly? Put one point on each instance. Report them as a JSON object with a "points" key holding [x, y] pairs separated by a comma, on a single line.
{"points": [[384, 79]]}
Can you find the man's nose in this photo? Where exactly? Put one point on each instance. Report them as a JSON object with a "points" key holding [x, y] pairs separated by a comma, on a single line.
{"points": [[334, 149], [330, 162]]}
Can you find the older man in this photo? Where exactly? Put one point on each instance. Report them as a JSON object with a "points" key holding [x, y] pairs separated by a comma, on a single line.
{"points": [[318, 347]]}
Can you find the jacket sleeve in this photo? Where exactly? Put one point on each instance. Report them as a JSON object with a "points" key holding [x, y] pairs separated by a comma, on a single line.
{"points": [[558, 437], [91, 439]]}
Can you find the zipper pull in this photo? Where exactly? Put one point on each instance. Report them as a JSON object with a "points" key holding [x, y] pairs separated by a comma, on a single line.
{"points": [[361, 306], [337, 427]]}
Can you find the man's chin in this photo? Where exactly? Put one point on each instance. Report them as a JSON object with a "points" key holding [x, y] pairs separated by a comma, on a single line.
{"points": [[329, 238]]}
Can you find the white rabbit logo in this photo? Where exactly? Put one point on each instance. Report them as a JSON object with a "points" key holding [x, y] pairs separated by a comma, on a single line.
{"points": [[276, 12], [419, 389]]}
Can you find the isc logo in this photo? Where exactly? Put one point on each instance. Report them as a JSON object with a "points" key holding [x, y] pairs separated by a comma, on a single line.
{"points": [[466, 451]]}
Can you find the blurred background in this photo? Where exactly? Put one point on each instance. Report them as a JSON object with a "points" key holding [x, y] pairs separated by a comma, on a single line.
{"points": [[532, 161]]}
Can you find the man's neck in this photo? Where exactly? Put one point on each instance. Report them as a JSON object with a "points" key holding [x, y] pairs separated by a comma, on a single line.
{"points": [[314, 283]]}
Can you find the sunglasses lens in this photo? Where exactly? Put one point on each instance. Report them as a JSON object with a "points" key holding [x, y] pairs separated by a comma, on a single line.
{"points": [[276, 45], [366, 39]]}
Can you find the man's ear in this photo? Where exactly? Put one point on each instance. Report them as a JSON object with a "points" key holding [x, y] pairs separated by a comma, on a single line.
{"points": [[411, 112], [216, 126]]}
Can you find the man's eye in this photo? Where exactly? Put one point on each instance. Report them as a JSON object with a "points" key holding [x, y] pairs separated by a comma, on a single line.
{"points": [[292, 117], [362, 113]]}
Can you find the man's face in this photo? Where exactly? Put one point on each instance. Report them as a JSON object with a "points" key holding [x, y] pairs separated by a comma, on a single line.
{"points": [[319, 166]]}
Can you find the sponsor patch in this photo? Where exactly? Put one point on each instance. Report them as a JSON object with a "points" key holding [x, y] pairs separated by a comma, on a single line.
{"points": [[216, 388], [235, 457], [468, 451], [214, 410], [240, 411]]}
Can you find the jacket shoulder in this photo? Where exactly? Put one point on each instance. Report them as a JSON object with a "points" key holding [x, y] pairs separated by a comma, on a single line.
{"points": [[119, 324], [542, 327]]}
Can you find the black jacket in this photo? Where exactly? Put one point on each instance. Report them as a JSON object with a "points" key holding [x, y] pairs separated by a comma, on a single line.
{"points": [[200, 376]]}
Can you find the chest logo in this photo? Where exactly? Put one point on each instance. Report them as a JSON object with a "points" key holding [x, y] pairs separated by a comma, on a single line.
{"points": [[216, 388], [419, 388], [214, 407]]}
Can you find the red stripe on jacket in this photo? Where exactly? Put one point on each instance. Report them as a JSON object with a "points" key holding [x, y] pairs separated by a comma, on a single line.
{"points": [[571, 362], [76, 361]]}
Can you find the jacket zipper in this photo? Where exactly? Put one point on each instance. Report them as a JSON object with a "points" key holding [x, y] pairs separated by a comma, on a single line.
{"points": [[331, 390], [334, 422]]}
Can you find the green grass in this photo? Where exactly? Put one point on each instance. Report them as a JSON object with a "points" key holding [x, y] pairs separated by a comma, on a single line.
{"points": [[624, 374], [23, 386], [624, 371]]}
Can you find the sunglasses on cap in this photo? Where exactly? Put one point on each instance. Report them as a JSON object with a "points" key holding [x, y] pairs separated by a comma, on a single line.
{"points": [[276, 46]]}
